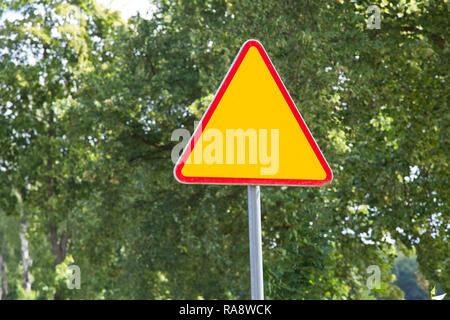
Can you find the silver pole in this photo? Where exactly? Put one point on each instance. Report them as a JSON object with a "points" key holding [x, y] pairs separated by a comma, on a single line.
{"points": [[254, 223]]}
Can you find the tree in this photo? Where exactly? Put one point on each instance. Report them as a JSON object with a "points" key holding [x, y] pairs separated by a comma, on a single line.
{"points": [[43, 153]]}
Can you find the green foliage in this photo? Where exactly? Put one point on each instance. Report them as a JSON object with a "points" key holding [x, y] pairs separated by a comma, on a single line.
{"points": [[87, 109], [407, 278]]}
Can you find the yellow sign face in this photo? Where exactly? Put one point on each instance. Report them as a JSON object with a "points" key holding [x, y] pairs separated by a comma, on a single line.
{"points": [[252, 133]]}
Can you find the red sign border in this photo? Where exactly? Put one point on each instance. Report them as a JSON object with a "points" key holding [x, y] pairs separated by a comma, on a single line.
{"points": [[212, 107]]}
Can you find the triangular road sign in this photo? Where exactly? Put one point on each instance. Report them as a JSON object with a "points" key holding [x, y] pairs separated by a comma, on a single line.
{"points": [[252, 133]]}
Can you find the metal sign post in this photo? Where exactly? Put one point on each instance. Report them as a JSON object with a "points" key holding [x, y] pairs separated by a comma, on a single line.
{"points": [[256, 262]]}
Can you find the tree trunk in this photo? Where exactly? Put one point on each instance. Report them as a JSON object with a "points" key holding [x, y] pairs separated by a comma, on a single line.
{"points": [[26, 260], [3, 278], [24, 248], [59, 247]]}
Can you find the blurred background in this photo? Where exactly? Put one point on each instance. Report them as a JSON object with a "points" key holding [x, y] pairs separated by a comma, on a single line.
{"points": [[90, 93]]}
